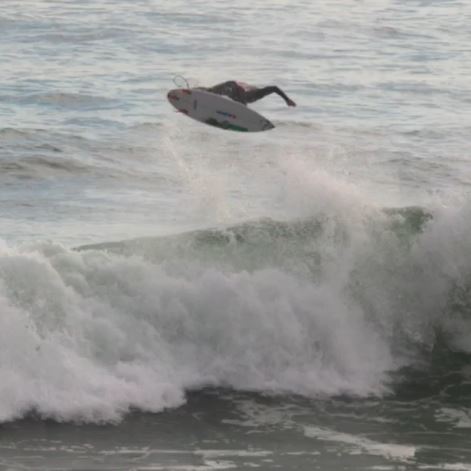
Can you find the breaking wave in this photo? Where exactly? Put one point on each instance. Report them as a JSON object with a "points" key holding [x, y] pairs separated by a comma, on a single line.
{"points": [[329, 305]]}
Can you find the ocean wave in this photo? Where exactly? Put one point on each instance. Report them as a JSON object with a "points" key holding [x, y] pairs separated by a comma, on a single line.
{"points": [[40, 167], [41, 154], [318, 307], [75, 101]]}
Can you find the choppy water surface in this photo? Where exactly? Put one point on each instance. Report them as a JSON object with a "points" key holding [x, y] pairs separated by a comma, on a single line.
{"points": [[178, 297]]}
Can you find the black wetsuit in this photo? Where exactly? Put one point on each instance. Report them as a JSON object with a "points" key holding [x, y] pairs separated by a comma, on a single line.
{"points": [[243, 93]]}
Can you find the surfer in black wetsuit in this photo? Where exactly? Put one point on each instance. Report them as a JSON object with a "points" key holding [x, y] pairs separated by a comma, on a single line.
{"points": [[244, 93]]}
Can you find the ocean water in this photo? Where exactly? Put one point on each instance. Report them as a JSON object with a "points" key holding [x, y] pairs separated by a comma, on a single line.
{"points": [[177, 297]]}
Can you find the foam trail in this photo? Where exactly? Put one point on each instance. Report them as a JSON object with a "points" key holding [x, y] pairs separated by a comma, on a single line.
{"points": [[206, 190], [401, 453]]}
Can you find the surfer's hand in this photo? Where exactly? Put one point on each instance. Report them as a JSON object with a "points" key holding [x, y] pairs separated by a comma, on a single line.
{"points": [[290, 102]]}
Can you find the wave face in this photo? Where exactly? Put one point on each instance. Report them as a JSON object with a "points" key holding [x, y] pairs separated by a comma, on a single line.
{"points": [[323, 306]]}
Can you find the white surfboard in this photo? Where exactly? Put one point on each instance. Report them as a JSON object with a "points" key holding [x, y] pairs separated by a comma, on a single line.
{"points": [[217, 110]]}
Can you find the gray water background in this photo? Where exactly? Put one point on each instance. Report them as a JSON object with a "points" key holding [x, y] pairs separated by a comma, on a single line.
{"points": [[302, 327]]}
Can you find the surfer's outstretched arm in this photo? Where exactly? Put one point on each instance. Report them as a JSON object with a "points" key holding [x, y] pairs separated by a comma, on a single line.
{"points": [[257, 94]]}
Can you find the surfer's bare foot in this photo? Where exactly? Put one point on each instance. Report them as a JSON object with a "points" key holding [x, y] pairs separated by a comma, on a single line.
{"points": [[290, 102]]}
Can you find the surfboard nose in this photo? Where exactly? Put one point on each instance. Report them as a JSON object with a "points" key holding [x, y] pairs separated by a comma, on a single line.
{"points": [[172, 96]]}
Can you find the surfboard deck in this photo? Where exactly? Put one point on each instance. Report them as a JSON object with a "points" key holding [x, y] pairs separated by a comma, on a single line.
{"points": [[217, 110]]}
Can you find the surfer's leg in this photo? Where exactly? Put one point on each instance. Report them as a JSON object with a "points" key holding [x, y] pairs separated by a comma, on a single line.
{"points": [[235, 92], [259, 93], [231, 89]]}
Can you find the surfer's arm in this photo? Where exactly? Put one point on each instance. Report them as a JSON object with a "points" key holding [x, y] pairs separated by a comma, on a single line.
{"points": [[259, 93], [283, 95]]}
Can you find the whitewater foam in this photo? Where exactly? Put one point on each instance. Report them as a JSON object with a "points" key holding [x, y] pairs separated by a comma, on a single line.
{"points": [[357, 444], [321, 307], [87, 335]]}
